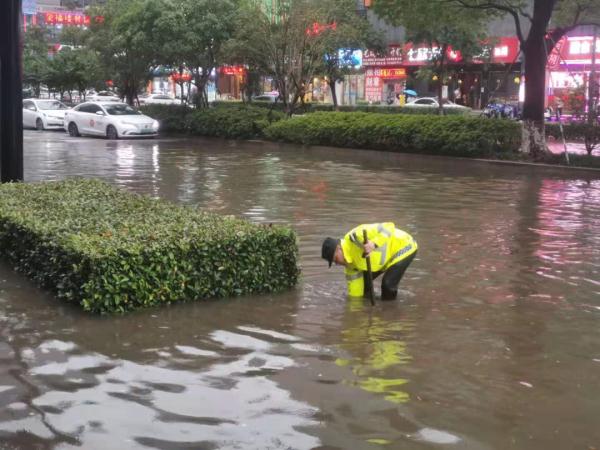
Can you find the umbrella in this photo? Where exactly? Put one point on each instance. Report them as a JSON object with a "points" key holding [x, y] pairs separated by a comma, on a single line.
{"points": [[410, 92]]}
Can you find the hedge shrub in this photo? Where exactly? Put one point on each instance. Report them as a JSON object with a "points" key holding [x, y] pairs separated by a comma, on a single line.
{"points": [[575, 132], [172, 118], [240, 122], [114, 251], [442, 135], [323, 107]]}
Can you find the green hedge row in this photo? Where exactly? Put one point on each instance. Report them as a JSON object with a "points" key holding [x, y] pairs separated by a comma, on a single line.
{"points": [[241, 122], [113, 251], [324, 107], [574, 131], [442, 135], [172, 118], [234, 121]]}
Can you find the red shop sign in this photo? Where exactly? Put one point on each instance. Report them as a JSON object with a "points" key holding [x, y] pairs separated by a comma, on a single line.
{"points": [[70, 18], [233, 70]]}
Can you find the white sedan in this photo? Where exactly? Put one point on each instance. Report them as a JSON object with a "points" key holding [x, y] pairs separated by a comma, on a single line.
{"points": [[433, 103], [158, 99], [109, 119], [103, 96], [43, 114]]}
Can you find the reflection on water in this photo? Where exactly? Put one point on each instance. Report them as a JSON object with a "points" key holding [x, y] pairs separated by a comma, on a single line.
{"points": [[493, 343], [376, 352]]}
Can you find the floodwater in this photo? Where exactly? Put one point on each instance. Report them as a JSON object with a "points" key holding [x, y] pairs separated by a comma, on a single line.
{"points": [[494, 342]]}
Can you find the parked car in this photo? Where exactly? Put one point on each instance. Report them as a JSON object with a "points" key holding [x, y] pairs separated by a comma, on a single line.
{"points": [[43, 114], [158, 99], [271, 98], [498, 110], [433, 103], [110, 119], [103, 96]]}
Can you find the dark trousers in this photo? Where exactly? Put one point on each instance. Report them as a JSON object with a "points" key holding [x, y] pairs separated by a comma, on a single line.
{"points": [[391, 278]]}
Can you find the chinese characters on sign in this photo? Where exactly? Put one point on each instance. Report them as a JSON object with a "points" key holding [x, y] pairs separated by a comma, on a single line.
{"points": [[69, 18], [392, 58]]}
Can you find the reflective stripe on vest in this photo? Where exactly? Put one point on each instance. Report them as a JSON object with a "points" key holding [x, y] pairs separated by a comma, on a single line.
{"points": [[354, 276], [382, 230], [402, 251]]}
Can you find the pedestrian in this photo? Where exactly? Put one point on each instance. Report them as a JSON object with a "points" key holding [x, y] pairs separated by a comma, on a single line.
{"points": [[389, 249], [559, 107]]}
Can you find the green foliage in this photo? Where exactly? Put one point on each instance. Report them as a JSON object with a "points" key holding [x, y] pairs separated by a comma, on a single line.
{"points": [[441, 135], [112, 251], [172, 118], [35, 57], [589, 134], [72, 70], [241, 122], [380, 109]]}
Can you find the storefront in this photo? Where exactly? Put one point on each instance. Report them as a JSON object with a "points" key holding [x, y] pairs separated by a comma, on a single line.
{"points": [[495, 74], [230, 82], [569, 73]]}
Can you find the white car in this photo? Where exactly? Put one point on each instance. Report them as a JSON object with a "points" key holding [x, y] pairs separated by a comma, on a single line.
{"points": [[103, 96], [158, 99], [43, 114], [109, 119], [432, 102]]}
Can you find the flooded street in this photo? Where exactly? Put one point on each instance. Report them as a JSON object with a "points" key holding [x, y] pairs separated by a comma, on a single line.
{"points": [[494, 342]]}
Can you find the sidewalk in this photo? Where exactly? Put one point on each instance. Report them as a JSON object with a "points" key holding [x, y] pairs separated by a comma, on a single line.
{"points": [[556, 146]]}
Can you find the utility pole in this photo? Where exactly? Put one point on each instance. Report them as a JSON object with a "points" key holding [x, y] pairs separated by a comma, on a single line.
{"points": [[11, 101], [592, 83]]}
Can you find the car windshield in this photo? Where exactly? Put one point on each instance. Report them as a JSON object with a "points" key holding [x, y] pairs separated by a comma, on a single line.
{"points": [[51, 105], [121, 110]]}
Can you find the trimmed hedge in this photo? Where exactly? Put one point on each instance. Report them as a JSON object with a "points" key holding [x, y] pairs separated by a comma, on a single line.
{"points": [[172, 118], [326, 107], [234, 122], [441, 135], [114, 251]]}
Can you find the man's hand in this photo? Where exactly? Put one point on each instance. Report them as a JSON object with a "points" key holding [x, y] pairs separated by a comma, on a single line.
{"points": [[369, 247]]}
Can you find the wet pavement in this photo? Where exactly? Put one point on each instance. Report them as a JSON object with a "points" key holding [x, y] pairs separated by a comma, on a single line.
{"points": [[493, 343]]}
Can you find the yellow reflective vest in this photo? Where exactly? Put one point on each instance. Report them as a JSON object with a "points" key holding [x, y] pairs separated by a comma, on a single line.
{"points": [[393, 245]]}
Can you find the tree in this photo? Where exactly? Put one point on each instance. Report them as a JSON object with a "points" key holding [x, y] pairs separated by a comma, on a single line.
{"points": [[289, 47], [72, 70], [125, 42], [352, 32], [194, 33], [35, 57], [548, 22], [446, 27]]}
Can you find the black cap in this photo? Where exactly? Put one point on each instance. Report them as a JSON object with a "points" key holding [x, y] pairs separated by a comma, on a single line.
{"points": [[328, 249]]}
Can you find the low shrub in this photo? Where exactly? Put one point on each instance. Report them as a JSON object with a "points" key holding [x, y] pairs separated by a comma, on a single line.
{"points": [[172, 118], [361, 107], [577, 132], [114, 251], [234, 122], [442, 135]]}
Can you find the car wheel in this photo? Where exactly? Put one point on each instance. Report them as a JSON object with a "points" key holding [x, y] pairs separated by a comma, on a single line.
{"points": [[111, 133], [73, 130], [39, 125]]}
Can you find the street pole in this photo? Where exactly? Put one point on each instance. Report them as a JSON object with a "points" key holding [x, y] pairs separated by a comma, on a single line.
{"points": [[592, 84], [11, 101]]}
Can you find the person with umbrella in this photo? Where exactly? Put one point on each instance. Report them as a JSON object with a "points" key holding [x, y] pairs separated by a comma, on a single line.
{"points": [[387, 249]]}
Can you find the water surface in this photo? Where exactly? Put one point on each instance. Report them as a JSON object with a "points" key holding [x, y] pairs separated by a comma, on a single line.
{"points": [[493, 343]]}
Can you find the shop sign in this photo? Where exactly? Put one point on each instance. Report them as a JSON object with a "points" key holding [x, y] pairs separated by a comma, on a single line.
{"points": [[393, 57], [70, 18], [232, 70], [578, 50], [419, 56], [29, 7], [506, 50]]}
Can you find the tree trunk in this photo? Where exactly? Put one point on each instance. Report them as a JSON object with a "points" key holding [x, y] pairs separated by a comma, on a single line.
{"points": [[536, 50], [333, 93], [440, 86]]}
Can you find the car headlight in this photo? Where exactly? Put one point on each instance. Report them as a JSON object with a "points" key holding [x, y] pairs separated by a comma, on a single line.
{"points": [[155, 125]]}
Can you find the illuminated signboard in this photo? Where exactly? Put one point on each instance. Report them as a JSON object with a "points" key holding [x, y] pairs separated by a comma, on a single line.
{"points": [[233, 70], [350, 58], [70, 18]]}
